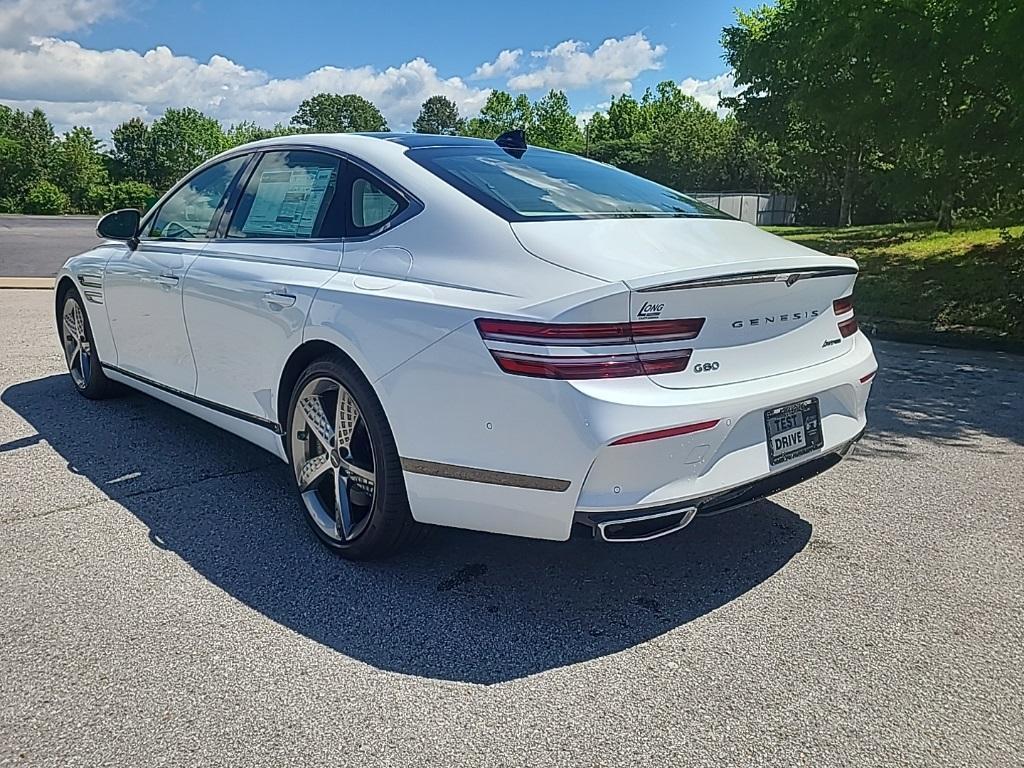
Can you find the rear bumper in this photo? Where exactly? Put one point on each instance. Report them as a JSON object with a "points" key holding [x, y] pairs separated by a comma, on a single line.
{"points": [[492, 452], [615, 525]]}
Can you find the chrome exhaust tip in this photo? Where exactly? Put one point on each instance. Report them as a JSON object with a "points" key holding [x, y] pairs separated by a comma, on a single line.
{"points": [[645, 527]]}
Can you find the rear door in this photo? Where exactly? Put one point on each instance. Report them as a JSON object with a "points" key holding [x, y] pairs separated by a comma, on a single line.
{"points": [[142, 286], [247, 295]]}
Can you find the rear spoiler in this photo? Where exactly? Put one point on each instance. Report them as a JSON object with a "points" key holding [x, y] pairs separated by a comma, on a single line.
{"points": [[789, 276]]}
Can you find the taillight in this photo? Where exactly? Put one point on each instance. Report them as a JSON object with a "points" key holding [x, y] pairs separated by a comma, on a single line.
{"points": [[592, 366], [589, 334], [599, 366], [844, 306]]}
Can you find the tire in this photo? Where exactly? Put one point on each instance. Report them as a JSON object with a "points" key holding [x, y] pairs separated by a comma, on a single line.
{"points": [[80, 348], [333, 465]]}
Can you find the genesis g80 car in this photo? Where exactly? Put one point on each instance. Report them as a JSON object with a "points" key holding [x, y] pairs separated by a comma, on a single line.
{"points": [[486, 335]]}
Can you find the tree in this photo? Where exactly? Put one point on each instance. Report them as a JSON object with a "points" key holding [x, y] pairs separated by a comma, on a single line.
{"points": [[932, 83], [246, 131], [797, 69], [79, 169], [181, 140], [26, 152], [669, 137], [500, 113], [133, 150], [334, 113], [440, 115], [554, 124], [46, 198], [130, 194]]}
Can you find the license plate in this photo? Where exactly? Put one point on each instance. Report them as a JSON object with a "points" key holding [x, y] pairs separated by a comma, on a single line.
{"points": [[792, 430]]}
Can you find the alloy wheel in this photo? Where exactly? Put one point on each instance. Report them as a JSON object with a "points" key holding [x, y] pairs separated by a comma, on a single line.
{"points": [[333, 459], [77, 349]]}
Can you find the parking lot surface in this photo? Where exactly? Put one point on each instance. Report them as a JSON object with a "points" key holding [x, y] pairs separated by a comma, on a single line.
{"points": [[164, 604], [37, 246]]}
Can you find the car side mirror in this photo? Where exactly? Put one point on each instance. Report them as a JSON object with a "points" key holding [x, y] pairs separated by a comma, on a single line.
{"points": [[119, 225]]}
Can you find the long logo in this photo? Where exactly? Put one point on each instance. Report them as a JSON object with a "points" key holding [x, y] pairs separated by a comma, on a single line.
{"points": [[649, 311]]}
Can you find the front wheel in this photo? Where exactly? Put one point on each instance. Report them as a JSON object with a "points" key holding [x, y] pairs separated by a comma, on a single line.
{"points": [[346, 465], [80, 348]]}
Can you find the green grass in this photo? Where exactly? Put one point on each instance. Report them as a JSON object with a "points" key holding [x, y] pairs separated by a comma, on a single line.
{"points": [[968, 281]]}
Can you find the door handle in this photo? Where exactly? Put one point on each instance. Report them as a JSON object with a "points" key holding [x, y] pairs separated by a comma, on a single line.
{"points": [[279, 299], [166, 279]]}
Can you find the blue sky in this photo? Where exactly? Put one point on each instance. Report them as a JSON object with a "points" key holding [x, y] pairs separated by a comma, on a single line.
{"points": [[100, 61]]}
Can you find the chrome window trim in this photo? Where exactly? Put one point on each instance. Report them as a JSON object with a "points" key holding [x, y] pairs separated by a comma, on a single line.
{"points": [[413, 203]]}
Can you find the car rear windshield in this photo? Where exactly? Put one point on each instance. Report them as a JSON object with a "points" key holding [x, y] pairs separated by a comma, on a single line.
{"points": [[542, 184]]}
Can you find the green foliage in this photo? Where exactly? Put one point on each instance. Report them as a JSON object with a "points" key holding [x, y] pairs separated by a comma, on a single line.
{"points": [[132, 151], [179, 141], [440, 115], [45, 197], [121, 194], [247, 130], [78, 169], [554, 124], [970, 279], [501, 112], [26, 151], [671, 138], [334, 113], [926, 91]]}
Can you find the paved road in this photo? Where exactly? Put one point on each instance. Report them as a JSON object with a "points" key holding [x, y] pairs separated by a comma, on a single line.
{"points": [[163, 604], [37, 246]]}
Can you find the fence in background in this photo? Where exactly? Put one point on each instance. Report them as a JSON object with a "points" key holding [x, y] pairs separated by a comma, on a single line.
{"points": [[763, 209]]}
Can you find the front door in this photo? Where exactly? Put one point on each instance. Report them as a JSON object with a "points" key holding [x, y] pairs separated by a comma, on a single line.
{"points": [[248, 294], [143, 286]]}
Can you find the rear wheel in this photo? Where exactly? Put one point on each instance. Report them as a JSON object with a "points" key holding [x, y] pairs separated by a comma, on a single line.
{"points": [[346, 465], [80, 349]]}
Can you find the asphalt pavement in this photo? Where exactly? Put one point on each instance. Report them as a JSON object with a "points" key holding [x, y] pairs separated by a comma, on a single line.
{"points": [[164, 604], [38, 246]]}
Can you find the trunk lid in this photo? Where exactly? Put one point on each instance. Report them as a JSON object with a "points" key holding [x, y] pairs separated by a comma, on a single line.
{"points": [[767, 302]]}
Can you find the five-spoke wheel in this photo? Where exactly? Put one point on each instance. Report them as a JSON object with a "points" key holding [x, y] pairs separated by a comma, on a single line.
{"points": [[333, 459], [345, 463], [79, 351]]}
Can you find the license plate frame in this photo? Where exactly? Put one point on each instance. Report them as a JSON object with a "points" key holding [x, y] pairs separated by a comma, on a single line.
{"points": [[792, 422]]}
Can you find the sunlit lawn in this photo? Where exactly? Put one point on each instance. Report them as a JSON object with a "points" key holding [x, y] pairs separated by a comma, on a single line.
{"points": [[967, 280]]}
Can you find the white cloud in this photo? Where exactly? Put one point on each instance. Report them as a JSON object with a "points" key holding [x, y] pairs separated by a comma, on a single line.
{"points": [[21, 20], [77, 85], [708, 92], [613, 65], [585, 115], [505, 63]]}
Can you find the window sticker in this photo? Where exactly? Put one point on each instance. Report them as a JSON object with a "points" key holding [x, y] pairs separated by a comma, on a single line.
{"points": [[287, 202]]}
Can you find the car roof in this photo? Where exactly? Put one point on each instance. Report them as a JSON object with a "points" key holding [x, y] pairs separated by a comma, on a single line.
{"points": [[429, 139]]}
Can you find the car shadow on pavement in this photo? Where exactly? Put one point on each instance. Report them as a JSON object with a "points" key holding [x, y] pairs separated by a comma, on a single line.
{"points": [[463, 607]]}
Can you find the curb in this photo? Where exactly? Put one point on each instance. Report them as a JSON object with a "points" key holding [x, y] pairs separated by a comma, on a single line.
{"points": [[45, 283], [913, 332]]}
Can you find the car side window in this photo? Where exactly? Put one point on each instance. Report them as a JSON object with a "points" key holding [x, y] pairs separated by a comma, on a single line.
{"points": [[373, 204], [290, 194], [189, 213]]}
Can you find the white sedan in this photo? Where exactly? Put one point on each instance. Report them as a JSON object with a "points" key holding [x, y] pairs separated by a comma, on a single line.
{"points": [[452, 331]]}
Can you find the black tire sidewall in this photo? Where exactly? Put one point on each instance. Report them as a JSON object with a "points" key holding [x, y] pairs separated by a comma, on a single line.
{"points": [[96, 385], [390, 511]]}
